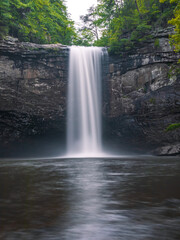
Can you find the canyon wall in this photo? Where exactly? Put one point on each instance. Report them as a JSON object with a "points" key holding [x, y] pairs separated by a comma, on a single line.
{"points": [[141, 92], [144, 96], [33, 80]]}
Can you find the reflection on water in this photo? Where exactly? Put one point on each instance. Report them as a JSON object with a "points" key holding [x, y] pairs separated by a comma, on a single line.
{"points": [[84, 199]]}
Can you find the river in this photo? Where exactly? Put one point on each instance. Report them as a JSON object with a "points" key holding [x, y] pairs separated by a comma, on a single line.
{"points": [[90, 199]]}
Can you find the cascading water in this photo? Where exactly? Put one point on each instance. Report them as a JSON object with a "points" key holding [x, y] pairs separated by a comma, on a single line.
{"points": [[84, 102]]}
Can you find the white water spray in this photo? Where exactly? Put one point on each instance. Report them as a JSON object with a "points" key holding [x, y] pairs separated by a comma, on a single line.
{"points": [[84, 102]]}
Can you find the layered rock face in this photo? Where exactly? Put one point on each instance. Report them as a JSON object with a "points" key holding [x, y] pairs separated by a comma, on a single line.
{"points": [[144, 96], [33, 80], [141, 94]]}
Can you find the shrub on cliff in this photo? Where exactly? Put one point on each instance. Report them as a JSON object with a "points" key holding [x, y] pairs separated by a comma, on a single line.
{"points": [[175, 38], [173, 127]]}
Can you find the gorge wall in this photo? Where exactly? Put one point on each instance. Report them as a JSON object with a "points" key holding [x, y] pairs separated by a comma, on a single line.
{"points": [[144, 96], [33, 81], [141, 94]]}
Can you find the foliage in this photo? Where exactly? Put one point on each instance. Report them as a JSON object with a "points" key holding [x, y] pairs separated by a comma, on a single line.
{"points": [[152, 100], [175, 38], [156, 43], [120, 25], [124, 24], [173, 127], [84, 37], [5, 17], [40, 21], [90, 23]]}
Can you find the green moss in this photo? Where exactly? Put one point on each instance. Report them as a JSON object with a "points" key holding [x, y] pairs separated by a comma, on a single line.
{"points": [[145, 89], [172, 127], [156, 43], [174, 70], [33, 49], [152, 100], [124, 96]]}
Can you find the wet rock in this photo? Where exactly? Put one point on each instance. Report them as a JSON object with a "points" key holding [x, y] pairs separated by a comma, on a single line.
{"points": [[168, 150], [144, 86], [33, 85], [141, 92]]}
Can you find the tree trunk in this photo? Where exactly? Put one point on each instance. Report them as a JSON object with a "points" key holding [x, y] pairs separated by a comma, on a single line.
{"points": [[138, 9]]}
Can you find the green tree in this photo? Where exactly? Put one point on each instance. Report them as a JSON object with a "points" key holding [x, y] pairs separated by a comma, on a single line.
{"points": [[5, 17], [40, 21], [84, 37], [175, 38], [123, 24], [90, 22]]}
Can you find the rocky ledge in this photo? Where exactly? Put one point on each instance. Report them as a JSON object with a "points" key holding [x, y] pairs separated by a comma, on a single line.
{"points": [[168, 150], [143, 96]]}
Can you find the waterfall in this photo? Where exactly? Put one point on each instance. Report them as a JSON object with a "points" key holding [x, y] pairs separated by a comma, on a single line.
{"points": [[84, 102]]}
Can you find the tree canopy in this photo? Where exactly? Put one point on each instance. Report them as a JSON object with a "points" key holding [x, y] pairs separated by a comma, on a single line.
{"points": [[40, 21], [175, 38], [118, 24], [122, 24]]}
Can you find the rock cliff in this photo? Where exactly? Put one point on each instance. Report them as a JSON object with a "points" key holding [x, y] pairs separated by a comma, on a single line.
{"points": [[33, 81], [144, 96], [141, 94]]}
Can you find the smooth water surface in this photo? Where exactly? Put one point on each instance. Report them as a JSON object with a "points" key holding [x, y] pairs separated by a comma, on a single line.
{"points": [[90, 199]]}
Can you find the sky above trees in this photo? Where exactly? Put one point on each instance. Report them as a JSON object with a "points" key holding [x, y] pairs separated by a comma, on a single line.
{"points": [[79, 7]]}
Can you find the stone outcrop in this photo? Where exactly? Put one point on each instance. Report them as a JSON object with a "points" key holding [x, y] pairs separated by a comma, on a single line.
{"points": [[33, 80], [173, 149], [144, 95]]}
